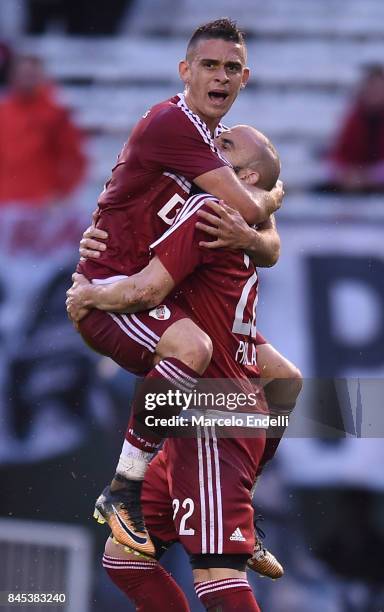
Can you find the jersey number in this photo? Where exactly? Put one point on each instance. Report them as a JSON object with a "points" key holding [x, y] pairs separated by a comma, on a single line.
{"points": [[239, 325], [174, 201], [187, 503]]}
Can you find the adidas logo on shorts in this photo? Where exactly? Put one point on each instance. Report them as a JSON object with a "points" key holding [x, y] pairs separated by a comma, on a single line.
{"points": [[237, 536]]}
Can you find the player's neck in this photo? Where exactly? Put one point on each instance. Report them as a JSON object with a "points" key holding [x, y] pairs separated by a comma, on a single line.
{"points": [[210, 122]]}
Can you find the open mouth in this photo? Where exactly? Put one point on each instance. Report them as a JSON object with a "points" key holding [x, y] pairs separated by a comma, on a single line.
{"points": [[220, 96]]}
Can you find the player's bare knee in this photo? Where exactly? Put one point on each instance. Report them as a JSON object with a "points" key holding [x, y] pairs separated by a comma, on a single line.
{"points": [[204, 350], [285, 388], [295, 377], [197, 353], [288, 370], [184, 340], [298, 377]]}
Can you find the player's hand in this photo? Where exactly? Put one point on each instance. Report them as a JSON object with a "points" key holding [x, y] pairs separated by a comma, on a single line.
{"points": [[225, 225], [278, 194], [75, 299], [90, 244]]}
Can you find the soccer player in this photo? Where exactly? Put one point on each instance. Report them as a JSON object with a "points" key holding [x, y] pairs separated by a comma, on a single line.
{"points": [[207, 480], [171, 146]]}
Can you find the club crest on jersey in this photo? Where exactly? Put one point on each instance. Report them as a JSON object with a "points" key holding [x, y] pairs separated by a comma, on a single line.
{"points": [[161, 313]]}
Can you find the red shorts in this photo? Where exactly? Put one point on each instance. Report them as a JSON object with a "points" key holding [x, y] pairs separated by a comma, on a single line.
{"points": [[129, 339], [198, 490]]}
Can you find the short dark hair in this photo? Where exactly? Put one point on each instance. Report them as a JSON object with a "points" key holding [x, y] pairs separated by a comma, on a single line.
{"points": [[224, 28]]}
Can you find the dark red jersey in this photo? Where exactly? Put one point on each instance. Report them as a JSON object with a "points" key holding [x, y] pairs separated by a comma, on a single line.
{"points": [[217, 289], [169, 147]]}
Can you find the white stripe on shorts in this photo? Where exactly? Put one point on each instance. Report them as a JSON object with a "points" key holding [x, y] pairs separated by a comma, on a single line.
{"points": [[218, 493], [209, 465], [122, 326], [139, 332], [144, 327], [202, 492], [211, 504]]}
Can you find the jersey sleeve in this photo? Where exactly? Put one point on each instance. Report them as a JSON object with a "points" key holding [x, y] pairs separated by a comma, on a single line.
{"points": [[179, 251], [179, 144]]}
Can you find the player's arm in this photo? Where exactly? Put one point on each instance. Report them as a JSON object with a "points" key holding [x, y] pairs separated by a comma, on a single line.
{"points": [[141, 291], [229, 230], [177, 255], [255, 207], [176, 144], [264, 244]]}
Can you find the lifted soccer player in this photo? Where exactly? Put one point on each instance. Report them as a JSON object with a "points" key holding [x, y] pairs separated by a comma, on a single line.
{"points": [[214, 305], [169, 148]]}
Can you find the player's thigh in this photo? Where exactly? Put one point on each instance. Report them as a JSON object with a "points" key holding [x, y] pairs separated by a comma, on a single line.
{"points": [[210, 482], [129, 339], [188, 343]]}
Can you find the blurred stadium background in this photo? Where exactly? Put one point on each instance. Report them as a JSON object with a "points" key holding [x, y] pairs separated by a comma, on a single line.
{"points": [[63, 410]]}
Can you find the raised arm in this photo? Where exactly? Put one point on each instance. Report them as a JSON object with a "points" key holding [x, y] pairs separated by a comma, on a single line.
{"points": [[255, 207], [141, 291]]}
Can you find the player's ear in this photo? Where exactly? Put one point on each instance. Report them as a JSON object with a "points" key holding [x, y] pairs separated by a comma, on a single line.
{"points": [[245, 77], [184, 71], [249, 176], [253, 177]]}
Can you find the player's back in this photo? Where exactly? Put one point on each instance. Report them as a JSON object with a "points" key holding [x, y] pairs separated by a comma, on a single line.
{"points": [[219, 293], [149, 183]]}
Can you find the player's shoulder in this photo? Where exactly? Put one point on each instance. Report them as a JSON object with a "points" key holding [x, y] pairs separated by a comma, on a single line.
{"points": [[186, 218], [199, 200], [195, 203], [167, 115]]}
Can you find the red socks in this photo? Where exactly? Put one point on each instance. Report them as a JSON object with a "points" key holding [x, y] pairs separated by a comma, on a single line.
{"points": [[146, 584], [228, 595], [170, 375], [150, 588]]}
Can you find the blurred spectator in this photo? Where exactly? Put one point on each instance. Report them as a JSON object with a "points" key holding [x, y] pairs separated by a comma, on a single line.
{"points": [[41, 158], [357, 156], [84, 17]]}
